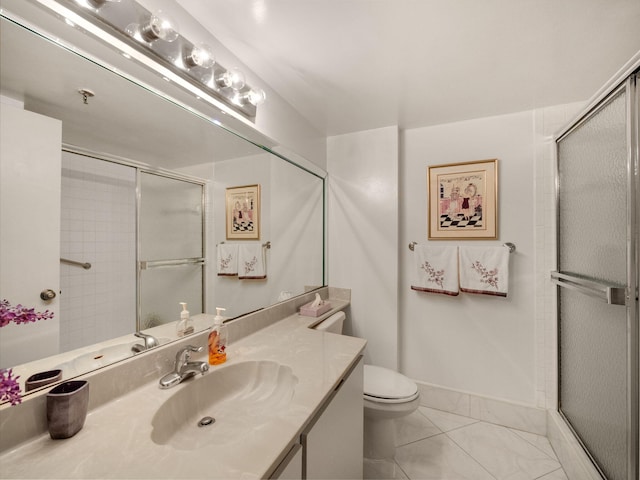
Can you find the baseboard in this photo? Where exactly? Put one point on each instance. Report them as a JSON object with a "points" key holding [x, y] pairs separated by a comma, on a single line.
{"points": [[501, 412]]}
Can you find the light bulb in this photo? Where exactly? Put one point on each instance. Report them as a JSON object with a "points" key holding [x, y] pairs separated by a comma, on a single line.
{"points": [[133, 30], [254, 97], [201, 56], [95, 3], [160, 26], [233, 78]]}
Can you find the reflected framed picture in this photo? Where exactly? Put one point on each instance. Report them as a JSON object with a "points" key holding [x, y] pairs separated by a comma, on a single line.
{"points": [[463, 200], [243, 212]]}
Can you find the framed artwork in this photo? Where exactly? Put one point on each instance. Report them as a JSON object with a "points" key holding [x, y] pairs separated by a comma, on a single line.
{"points": [[463, 200], [243, 212]]}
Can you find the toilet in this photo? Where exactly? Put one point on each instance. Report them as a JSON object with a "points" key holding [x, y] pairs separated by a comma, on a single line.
{"points": [[387, 395]]}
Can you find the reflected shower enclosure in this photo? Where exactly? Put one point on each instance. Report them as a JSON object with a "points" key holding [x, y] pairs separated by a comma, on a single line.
{"points": [[101, 225]]}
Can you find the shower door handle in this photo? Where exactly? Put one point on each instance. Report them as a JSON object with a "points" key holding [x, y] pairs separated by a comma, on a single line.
{"points": [[608, 292], [146, 264]]}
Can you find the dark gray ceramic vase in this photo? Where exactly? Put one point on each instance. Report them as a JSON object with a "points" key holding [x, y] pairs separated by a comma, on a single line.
{"points": [[67, 408]]}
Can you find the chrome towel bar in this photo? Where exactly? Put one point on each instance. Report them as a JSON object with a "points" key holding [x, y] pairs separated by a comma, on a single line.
{"points": [[509, 245], [607, 292], [266, 245]]}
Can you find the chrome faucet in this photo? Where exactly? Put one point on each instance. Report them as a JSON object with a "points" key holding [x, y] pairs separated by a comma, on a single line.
{"points": [[184, 368], [149, 342]]}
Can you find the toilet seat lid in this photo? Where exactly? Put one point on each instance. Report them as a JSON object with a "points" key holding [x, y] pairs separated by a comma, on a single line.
{"points": [[380, 382]]}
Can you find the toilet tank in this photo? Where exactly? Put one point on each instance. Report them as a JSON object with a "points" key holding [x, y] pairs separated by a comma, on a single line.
{"points": [[333, 324]]}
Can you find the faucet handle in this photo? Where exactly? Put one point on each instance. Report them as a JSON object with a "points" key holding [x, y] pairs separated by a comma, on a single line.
{"points": [[149, 340], [183, 355]]}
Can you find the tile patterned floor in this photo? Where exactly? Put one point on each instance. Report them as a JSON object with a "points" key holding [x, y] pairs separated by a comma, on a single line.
{"points": [[436, 445]]}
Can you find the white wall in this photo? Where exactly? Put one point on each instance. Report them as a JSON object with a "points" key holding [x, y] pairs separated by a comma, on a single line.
{"points": [[291, 213], [297, 233], [490, 346], [238, 296], [473, 343], [363, 235]]}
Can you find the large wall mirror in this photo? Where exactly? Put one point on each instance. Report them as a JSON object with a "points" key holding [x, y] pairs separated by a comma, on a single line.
{"points": [[98, 170]]}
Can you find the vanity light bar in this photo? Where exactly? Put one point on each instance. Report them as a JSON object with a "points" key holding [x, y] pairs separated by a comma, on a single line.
{"points": [[156, 33]]}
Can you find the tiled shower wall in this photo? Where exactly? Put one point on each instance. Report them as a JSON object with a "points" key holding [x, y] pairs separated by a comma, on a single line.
{"points": [[97, 226], [548, 123]]}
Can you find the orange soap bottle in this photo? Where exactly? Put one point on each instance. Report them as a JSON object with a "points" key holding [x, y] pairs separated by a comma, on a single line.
{"points": [[218, 339]]}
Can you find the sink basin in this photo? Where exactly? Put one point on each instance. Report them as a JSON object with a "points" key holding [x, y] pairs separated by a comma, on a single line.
{"points": [[99, 358], [96, 359], [239, 398]]}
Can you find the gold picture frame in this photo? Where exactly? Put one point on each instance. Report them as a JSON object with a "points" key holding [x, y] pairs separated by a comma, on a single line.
{"points": [[243, 212], [463, 200]]}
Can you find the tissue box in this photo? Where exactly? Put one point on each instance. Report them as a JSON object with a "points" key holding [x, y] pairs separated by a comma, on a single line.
{"points": [[309, 311]]}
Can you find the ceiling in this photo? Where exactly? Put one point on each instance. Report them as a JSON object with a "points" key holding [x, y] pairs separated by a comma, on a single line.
{"points": [[351, 65]]}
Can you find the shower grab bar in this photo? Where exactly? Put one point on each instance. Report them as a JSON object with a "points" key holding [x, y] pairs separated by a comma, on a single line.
{"points": [[85, 265], [607, 292], [146, 264]]}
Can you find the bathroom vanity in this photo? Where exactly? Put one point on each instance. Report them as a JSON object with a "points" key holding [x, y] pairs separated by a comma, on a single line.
{"points": [[287, 404]]}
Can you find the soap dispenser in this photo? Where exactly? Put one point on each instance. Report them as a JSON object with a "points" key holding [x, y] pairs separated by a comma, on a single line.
{"points": [[218, 339], [185, 325]]}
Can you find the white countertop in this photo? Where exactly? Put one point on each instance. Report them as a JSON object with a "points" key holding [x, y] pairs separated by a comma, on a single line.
{"points": [[115, 441]]}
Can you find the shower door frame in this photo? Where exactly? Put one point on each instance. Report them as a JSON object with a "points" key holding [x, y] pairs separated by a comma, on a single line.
{"points": [[629, 81], [144, 265], [140, 168]]}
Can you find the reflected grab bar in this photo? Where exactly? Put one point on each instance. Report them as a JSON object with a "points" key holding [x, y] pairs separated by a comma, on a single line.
{"points": [[85, 265], [145, 264], [607, 292]]}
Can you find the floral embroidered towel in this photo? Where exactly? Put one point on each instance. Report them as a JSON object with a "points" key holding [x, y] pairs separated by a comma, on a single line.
{"points": [[251, 261], [484, 270], [227, 259], [436, 269]]}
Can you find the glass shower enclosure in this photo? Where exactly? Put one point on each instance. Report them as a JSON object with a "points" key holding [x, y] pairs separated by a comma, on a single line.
{"points": [[597, 278], [171, 253]]}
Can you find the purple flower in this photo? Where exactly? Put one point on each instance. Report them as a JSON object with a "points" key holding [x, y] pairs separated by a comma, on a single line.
{"points": [[20, 314], [9, 387]]}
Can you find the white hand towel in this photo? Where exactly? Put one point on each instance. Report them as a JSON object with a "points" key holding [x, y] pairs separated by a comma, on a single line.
{"points": [[227, 259], [484, 270], [252, 261], [436, 269]]}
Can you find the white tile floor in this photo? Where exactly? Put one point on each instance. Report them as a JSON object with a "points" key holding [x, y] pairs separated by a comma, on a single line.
{"points": [[432, 444]]}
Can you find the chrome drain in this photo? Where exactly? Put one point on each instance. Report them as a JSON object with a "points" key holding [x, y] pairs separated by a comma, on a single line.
{"points": [[206, 421]]}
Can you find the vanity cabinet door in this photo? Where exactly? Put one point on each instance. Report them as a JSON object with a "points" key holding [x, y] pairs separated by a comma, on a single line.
{"points": [[291, 466], [334, 443]]}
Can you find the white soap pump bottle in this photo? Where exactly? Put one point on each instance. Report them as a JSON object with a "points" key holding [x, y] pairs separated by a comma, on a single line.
{"points": [[218, 339], [185, 325]]}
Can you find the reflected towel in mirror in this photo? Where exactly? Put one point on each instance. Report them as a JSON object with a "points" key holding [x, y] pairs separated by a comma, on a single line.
{"points": [[436, 269], [252, 261], [228, 259]]}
